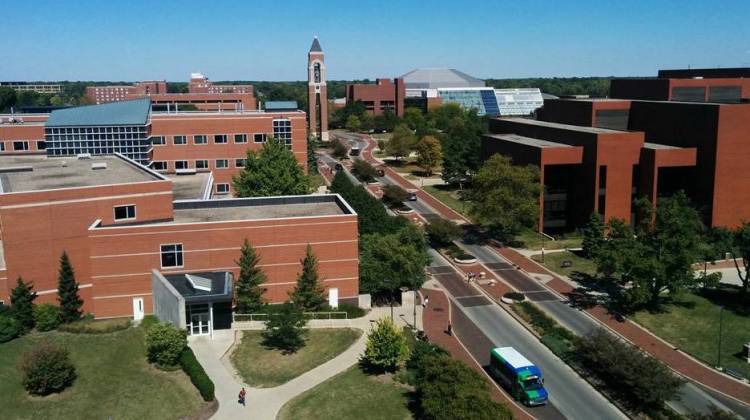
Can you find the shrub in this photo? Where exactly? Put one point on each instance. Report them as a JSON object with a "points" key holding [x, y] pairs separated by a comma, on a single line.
{"points": [[364, 171], [285, 330], [386, 346], [339, 150], [519, 297], [543, 324], [635, 377], [443, 232], [423, 350], [9, 328], [47, 317], [394, 196], [165, 344], [197, 375], [90, 326], [352, 311], [46, 369], [148, 321]]}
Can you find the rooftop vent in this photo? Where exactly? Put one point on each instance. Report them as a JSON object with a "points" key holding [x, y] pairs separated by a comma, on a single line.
{"points": [[199, 283], [99, 165], [83, 156]]}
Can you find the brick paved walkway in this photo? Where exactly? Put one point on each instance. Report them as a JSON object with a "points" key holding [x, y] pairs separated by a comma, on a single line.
{"points": [[435, 321], [680, 362]]}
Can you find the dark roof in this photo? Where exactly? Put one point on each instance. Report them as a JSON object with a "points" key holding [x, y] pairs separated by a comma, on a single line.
{"points": [[133, 112], [315, 47], [714, 73], [281, 105], [221, 286]]}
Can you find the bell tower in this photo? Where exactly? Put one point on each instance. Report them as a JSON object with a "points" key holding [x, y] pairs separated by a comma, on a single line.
{"points": [[317, 96]]}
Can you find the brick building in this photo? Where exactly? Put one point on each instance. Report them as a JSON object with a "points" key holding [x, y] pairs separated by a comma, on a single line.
{"points": [[167, 142], [121, 223], [383, 95], [660, 136]]}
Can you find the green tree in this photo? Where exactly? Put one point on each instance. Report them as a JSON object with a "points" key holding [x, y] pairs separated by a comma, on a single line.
{"points": [[505, 197], [366, 122], [67, 291], [309, 293], [394, 196], [461, 141], [429, 154], [401, 142], [740, 250], [593, 235], [165, 344], [364, 171], [353, 124], [416, 121], [339, 149], [443, 232], [285, 330], [47, 317], [9, 328], [22, 304], [386, 121], [390, 261], [7, 98], [249, 290], [272, 171], [371, 214], [312, 160], [386, 347]]}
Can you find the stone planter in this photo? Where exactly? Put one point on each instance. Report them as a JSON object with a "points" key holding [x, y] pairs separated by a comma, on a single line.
{"points": [[465, 259]]}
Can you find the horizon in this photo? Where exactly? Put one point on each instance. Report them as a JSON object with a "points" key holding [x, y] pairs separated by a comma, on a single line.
{"points": [[87, 41]]}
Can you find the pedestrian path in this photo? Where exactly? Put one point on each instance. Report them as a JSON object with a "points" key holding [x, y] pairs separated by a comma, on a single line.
{"points": [[265, 403]]}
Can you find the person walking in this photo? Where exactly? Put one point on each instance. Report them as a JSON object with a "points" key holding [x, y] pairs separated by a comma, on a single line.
{"points": [[242, 396], [426, 301], [449, 330]]}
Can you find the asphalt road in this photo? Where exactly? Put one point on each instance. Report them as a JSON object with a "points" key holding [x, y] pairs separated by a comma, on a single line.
{"points": [[570, 396]]}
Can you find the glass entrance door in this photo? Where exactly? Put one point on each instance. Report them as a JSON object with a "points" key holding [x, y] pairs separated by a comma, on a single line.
{"points": [[199, 317]]}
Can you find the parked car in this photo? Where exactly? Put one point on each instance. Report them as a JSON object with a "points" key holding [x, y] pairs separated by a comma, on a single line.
{"points": [[412, 196]]}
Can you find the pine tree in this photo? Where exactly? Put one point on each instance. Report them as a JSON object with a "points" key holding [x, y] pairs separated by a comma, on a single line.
{"points": [[67, 291], [308, 294], [593, 235], [249, 291], [22, 304]]}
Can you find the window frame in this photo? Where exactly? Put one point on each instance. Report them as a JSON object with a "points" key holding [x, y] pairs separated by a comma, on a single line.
{"points": [[187, 165], [264, 138], [125, 206], [163, 141], [25, 147], [221, 185], [237, 163], [203, 136], [243, 135], [226, 163], [176, 252], [203, 161], [184, 138], [154, 162], [226, 138]]}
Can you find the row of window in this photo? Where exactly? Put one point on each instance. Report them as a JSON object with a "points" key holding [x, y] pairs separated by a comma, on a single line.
{"points": [[96, 130], [199, 164], [23, 145], [203, 139]]}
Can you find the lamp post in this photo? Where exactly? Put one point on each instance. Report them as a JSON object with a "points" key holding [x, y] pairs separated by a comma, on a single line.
{"points": [[390, 290], [721, 319]]}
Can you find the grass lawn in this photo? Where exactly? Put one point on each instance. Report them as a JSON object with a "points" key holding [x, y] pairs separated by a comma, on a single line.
{"points": [[552, 261], [691, 323], [350, 395], [266, 368], [531, 239], [114, 380], [448, 196]]}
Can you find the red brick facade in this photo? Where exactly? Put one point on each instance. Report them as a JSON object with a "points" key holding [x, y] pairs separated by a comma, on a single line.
{"points": [[383, 95]]}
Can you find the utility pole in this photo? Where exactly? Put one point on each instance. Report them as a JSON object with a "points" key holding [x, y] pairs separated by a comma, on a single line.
{"points": [[721, 320]]}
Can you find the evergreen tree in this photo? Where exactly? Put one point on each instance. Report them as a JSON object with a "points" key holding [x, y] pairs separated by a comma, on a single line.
{"points": [[270, 172], [308, 294], [593, 235], [22, 304], [67, 291], [249, 291], [285, 330]]}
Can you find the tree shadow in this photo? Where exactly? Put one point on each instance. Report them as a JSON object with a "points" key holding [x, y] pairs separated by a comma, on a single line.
{"points": [[728, 296]]}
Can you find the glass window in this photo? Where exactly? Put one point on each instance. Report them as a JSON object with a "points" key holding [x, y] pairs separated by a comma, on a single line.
{"points": [[159, 165], [180, 140], [157, 140], [199, 139], [171, 255], [201, 164], [20, 145], [259, 138], [220, 138], [222, 188], [282, 130], [41, 145], [181, 164], [125, 212], [222, 163], [240, 138], [2, 146], [239, 163]]}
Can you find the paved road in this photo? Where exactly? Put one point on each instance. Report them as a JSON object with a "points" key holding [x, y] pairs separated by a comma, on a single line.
{"points": [[570, 396]]}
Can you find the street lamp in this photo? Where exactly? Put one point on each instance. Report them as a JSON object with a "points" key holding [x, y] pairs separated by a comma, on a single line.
{"points": [[721, 319], [390, 290]]}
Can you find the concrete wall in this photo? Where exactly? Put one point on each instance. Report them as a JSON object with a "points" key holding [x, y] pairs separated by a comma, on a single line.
{"points": [[169, 305]]}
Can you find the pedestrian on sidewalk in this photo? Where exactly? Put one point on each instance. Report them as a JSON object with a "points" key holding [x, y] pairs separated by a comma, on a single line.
{"points": [[242, 396], [426, 301], [449, 330]]}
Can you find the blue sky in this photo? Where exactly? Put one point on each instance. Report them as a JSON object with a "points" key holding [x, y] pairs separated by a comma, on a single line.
{"points": [[268, 40]]}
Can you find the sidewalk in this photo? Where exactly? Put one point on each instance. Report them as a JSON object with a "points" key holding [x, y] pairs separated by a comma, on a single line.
{"points": [[265, 403], [675, 359]]}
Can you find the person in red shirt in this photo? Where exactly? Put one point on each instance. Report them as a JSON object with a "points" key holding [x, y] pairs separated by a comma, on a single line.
{"points": [[242, 396]]}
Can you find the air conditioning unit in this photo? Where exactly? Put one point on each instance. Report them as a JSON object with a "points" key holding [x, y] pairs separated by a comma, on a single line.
{"points": [[99, 166], [81, 156]]}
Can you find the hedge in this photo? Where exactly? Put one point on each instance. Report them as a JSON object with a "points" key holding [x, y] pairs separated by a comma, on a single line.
{"points": [[96, 327], [198, 376]]}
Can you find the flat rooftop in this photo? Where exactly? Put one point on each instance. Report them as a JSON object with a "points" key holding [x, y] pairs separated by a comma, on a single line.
{"points": [[595, 130], [528, 141], [189, 186], [22, 173]]}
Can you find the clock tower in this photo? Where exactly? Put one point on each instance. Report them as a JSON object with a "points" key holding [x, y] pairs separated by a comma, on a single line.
{"points": [[317, 96]]}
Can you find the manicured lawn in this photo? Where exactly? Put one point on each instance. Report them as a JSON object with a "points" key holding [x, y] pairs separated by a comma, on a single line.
{"points": [[553, 260], [114, 380], [531, 239], [350, 395], [266, 368], [448, 196], [691, 323]]}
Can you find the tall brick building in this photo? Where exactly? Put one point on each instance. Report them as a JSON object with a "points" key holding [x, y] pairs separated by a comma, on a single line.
{"points": [[383, 95], [687, 131]]}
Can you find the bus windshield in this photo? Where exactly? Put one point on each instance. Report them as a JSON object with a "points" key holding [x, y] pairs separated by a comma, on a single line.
{"points": [[532, 384]]}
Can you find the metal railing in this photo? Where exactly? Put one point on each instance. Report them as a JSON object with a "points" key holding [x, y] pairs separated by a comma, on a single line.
{"points": [[308, 315]]}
